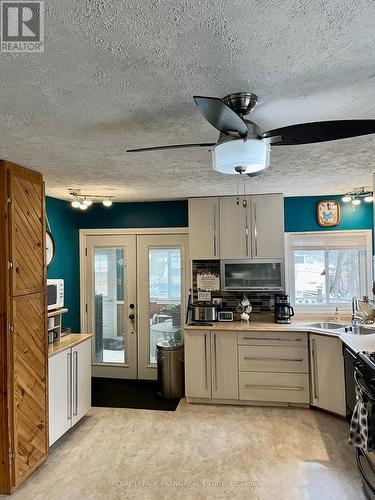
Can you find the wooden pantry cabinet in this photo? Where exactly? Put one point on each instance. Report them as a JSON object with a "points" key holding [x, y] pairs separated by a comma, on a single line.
{"points": [[219, 228], [23, 326]]}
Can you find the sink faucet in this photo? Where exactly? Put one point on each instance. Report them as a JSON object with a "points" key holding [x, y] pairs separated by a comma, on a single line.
{"points": [[356, 316]]}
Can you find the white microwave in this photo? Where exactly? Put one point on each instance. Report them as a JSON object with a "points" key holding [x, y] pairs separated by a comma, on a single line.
{"points": [[258, 275], [55, 294]]}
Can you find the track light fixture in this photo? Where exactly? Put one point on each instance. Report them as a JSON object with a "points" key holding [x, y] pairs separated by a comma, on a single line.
{"points": [[356, 197], [84, 201]]}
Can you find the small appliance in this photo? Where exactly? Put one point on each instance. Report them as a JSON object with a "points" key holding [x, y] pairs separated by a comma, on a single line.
{"points": [[55, 294], [225, 316], [200, 313], [283, 310]]}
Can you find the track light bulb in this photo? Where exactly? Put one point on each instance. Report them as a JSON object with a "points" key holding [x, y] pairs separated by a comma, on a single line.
{"points": [[369, 198], [356, 201], [88, 203], [346, 198], [107, 203], [83, 207], [76, 203]]}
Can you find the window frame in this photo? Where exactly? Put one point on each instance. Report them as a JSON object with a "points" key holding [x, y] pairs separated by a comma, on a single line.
{"points": [[290, 274]]}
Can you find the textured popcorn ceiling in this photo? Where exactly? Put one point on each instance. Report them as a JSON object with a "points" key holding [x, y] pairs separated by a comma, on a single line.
{"points": [[121, 74]]}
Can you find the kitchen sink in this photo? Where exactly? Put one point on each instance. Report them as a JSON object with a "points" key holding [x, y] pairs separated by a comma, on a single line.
{"points": [[327, 325]]}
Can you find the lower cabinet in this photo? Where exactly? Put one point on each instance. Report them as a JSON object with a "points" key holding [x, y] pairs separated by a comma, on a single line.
{"points": [[211, 367], [69, 387], [327, 373]]}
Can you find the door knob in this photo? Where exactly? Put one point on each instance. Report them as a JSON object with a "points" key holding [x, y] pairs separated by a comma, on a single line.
{"points": [[131, 317]]}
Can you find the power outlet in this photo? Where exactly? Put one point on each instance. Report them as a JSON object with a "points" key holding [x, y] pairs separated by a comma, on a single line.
{"points": [[217, 300]]}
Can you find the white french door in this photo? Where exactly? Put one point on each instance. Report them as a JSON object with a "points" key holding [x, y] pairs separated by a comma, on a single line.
{"points": [[135, 294], [161, 284], [110, 309]]}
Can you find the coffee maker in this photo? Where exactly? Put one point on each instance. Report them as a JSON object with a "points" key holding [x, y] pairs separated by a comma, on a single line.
{"points": [[283, 310]]}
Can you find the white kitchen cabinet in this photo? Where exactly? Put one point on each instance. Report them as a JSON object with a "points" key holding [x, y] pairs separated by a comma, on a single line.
{"points": [[267, 226], [327, 373], [235, 231], [198, 364], [69, 387], [81, 380], [60, 396], [224, 365], [204, 228], [211, 369]]}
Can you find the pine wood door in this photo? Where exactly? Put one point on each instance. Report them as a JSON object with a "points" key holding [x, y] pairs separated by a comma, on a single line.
{"points": [[29, 381], [26, 191]]}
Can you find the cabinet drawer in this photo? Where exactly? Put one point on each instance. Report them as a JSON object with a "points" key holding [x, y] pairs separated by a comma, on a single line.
{"points": [[273, 359], [280, 338], [274, 387]]}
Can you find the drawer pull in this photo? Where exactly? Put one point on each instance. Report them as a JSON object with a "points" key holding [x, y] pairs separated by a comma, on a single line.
{"points": [[272, 359], [275, 388], [272, 338]]}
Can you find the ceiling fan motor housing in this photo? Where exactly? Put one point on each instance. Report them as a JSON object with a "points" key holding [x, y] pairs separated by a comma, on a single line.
{"points": [[241, 102]]}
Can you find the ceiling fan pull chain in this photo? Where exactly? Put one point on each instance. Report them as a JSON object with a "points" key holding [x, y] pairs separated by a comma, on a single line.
{"points": [[244, 203]]}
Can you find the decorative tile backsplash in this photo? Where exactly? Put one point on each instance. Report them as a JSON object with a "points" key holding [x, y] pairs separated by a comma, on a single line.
{"points": [[261, 302]]}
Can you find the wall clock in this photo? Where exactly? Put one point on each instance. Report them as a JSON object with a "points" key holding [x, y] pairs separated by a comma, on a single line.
{"points": [[328, 213], [50, 248]]}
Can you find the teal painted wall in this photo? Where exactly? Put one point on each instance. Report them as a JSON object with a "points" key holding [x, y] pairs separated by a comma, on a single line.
{"points": [[300, 214], [66, 221], [63, 221]]}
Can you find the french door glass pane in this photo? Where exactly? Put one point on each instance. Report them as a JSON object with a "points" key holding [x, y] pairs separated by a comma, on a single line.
{"points": [[309, 274], [164, 296], [109, 297], [345, 274]]}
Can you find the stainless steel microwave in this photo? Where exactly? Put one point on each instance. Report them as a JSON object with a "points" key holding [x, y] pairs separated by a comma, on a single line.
{"points": [[260, 275]]}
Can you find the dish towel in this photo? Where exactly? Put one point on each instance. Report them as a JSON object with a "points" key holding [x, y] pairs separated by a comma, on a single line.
{"points": [[360, 434]]}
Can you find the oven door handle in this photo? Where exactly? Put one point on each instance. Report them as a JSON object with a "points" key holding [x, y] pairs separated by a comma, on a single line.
{"points": [[360, 382], [361, 470]]}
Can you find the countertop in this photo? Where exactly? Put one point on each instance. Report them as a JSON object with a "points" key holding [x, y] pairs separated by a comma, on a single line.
{"points": [[353, 341], [67, 342]]}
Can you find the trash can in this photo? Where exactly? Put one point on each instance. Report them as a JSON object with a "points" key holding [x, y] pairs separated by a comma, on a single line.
{"points": [[170, 359]]}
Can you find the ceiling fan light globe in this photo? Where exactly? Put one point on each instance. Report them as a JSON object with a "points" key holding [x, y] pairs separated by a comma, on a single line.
{"points": [[248, 156]]}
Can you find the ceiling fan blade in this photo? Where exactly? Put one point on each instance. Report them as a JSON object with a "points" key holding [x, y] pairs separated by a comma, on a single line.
{"points": [[308, 133], [174, 146], [221, 116]]}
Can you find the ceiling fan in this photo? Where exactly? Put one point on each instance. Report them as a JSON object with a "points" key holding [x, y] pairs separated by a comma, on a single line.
{"points": [[243, 149]]}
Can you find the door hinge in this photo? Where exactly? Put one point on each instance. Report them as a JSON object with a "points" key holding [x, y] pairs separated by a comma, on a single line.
{"points": [[86, 308], [86, 251], [10, 264], [10, 200], [11, 455], [11, 329]]}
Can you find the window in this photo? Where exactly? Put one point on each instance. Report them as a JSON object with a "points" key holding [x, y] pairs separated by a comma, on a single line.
{"points": [[326, 269]]}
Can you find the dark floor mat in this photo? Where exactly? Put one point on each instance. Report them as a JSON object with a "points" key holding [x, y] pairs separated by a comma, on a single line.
{"points": [[120, 393]]}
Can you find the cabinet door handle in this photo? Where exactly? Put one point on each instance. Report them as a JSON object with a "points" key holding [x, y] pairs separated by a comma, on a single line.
{"points": [[69, 391], [247, 235], [75, 378], [273, 359], [275, 388], [205, 360], [255, 229], [272, 338], [215, 232], [315, 368], [215, 361]]}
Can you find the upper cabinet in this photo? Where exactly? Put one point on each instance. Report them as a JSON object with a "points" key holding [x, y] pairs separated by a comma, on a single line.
{"points": [[235, 228], [219, 228], [267, 226], [204, 228]]}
